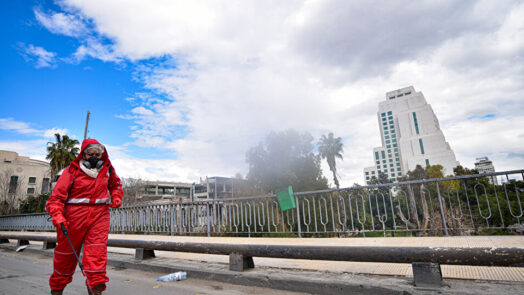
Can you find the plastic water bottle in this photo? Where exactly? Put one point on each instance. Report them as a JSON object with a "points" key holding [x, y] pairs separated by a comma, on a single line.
{"points": [[176, 276]]}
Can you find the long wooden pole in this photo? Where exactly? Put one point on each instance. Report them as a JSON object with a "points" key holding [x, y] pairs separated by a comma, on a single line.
{"points": [[87, 122]]}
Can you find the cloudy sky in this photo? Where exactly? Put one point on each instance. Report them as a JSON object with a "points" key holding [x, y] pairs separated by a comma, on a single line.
{"points": [[182, 89]]}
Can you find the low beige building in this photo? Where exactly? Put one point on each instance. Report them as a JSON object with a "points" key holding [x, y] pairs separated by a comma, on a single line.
{"points": [[21, 177]]}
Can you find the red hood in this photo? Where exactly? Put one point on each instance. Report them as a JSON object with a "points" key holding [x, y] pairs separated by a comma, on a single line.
{"points": [[85, 143]]}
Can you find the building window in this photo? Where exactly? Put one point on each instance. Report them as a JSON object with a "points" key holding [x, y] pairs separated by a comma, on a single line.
{"points": [[372, 172], [383, 114], [376, 155], [395, 145], [384, 119], [388, 146], [390, 113], [427, 162], [386, 137], [391, 122], [397, 159], [45, 185], [384, 161], [32, 180], [396, 150], [385, 170], [388, 141], [367, 173], [415, 121], [393, 135], [394, 140], [367, 177], [389, 155], [421, 145], [392, 131], [30, 190], [393, 179], [383, 154], [390, 118], [398, 164], [13, 184], [386, 128], [386, 132], [396, 154], [407, 93], [378, 162], [398, 169], [384, 166], [390, 160], [390, 165], [384, 123], [392, 174]]}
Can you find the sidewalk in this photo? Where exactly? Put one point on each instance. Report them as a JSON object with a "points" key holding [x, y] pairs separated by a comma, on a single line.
{"points": [[512, 274]]}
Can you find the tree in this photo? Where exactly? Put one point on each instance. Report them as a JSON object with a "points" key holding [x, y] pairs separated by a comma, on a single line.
{"points": [[285, 158], [10, 191], [331, 148], [133, 188], [61, 153]]}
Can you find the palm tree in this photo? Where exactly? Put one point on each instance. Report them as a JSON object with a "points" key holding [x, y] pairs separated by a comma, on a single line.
{"points": [[62, 152], [331, 148]]}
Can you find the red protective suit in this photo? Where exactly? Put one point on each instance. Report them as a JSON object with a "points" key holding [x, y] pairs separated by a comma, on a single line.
{"points": [[81, 202]]}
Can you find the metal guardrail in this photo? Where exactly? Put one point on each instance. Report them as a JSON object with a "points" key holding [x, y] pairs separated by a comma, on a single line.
{"points": [[458, 205], [482, 256]]}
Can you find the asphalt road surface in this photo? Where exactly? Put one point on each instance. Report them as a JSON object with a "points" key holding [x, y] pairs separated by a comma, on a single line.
{"points": [[28, 273]]}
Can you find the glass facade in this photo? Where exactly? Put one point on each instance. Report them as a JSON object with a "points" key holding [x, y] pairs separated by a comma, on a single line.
{"points": [[415, 121]]}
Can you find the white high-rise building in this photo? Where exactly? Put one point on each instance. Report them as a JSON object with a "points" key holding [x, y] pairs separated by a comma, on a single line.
{"points": [[410, 135], [484, 165]]}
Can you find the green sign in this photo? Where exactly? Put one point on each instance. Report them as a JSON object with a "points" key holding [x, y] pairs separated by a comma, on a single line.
{"points": [[286, 199]]}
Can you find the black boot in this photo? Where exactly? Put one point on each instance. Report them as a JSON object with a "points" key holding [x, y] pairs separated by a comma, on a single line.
{"points": [[97, 290]]}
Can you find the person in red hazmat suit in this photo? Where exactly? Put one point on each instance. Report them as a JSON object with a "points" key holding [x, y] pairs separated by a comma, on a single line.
{"points": [[81, 200]]}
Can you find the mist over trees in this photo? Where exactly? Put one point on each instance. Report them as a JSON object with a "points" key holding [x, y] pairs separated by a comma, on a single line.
{"points": [[285, 158]]}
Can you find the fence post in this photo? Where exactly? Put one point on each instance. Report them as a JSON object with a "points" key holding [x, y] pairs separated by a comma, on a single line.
{"points": [[442, 211], [298, 218], [208, 216]]}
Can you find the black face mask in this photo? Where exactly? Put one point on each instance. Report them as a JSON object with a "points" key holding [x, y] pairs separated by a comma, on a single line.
{"points": [[94, 162]]}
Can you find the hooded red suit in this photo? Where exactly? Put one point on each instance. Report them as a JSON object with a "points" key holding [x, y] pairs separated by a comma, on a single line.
{"points": [[81, 202]]}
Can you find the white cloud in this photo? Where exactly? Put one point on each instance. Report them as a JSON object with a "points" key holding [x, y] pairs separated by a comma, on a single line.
{"points": [[16, 126], [41, 57], [12, 125], [234, 71], [61, 23], [34, 149], [50, 133]]}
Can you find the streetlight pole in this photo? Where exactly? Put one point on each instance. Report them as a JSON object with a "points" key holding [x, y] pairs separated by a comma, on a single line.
{"points": [[87, 122]]}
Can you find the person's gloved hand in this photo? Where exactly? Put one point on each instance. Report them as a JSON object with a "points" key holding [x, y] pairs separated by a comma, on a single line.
{"points": [[115, 203], [59, 219]]}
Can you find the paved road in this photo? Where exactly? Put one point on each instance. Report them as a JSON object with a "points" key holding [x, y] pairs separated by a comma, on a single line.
{"points": [[28, 273]]}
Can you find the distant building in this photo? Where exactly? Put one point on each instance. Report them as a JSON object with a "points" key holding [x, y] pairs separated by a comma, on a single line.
{"points": [[165, 192], [214, 188], [21, 177], [484, 165], [410, 135]]}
